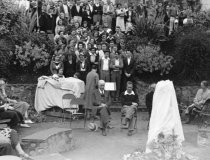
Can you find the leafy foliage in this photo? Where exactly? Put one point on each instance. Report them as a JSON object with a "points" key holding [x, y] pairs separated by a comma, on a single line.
{"points": [[150, 59], [193, 53], [18, 44], [30, 56]]}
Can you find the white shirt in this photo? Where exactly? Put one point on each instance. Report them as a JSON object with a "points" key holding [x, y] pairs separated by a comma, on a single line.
{"points": [[129, 60], [105, 66], [101, 54], [78, 8], [102, 92], [91, 8], [132, 93], [117, 62], [66, 11]]}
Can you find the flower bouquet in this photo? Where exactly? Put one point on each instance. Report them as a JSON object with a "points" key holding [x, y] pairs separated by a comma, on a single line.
{"points": [[166, 147]]}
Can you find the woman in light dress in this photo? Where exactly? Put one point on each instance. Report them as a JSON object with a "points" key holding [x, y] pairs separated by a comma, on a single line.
{"points": [[120, 20]]}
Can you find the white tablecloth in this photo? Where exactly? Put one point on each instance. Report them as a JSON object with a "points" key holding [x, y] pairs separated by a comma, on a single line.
{"points": [[49, 91]]}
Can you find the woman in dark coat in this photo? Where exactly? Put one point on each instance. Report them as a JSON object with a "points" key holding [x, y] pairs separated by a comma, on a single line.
{"points": [[70, 65]]}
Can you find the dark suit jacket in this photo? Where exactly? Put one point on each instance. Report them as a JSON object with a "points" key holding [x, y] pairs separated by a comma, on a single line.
{"points": [[62, 10], [74, 11], [129, 68], [87, 66], [97, 10], [97, 100]]}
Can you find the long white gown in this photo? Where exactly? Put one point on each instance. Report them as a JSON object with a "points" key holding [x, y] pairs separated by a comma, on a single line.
{"points": [[165, 116]]}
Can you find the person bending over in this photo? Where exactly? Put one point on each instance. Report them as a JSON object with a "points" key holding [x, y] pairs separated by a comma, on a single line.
{"points": [[129, 100]]}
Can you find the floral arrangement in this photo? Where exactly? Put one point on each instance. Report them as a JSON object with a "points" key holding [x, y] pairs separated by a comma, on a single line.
{"points": [[150, 59], [164, 148], [30, 55]]}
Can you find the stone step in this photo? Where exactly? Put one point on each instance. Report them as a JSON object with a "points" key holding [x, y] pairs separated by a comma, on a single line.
{"points": [[48, 141]]}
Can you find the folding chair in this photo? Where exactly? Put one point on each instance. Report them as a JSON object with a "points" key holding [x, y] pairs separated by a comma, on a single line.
{"points": [[135, 120], [72, 106]]}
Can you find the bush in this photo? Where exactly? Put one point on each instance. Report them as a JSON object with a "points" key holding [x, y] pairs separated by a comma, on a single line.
{"points": [[30, 56], [150, 59], [193, 55]]}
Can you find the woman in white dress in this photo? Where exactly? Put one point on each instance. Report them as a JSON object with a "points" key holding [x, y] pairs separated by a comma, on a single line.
{"points": [[120, 20], [165, 116]]}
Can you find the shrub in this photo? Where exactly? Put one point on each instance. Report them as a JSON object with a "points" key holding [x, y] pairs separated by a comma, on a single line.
{"points": [[30, 56], [150, 59], [193, 54]]}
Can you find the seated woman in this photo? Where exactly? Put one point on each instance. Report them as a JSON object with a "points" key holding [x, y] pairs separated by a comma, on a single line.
{"points": [[201, 97], [10, 143], [21, 107]]}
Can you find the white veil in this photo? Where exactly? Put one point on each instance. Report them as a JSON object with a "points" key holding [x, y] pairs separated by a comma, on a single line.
{"points": [[165, 116]]}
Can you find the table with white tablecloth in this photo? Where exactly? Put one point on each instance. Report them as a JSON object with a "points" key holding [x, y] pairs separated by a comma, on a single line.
{"points": [[49, 91]]}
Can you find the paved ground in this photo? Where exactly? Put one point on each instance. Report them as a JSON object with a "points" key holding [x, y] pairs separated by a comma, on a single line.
{"points": [[94, 146]]}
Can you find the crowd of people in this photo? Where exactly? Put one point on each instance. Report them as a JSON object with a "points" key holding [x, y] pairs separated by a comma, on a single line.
{"points": [[90, 39]]}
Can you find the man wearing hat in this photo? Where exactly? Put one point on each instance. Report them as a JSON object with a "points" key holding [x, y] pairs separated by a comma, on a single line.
{"points": [[101, 100]]}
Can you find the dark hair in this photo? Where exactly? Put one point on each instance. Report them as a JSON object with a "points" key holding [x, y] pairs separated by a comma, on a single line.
{"points": [[205, 83], [77, 74], [94, 66], [129, 83]]}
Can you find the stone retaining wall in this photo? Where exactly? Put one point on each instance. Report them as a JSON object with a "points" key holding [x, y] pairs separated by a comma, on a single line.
{"points": [[185, 94], [23, 92], [26, 92]]}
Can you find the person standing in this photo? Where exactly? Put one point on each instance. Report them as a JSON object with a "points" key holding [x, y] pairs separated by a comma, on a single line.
{"points": [[116, 66], [104, 67], [108, 11], [91, 84], [120, 20], [149, 99], [70, 65], [66, 10], [128, 69], [76, 12], [97, 12], [83, 66]]}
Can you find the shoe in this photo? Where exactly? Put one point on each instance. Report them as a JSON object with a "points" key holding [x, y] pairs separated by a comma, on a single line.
{"points": [[110, 127], [104, 132], [25, 125], [130, 133], [28, 121]]}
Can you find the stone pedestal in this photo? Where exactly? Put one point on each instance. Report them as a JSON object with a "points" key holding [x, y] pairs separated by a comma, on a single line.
{"points": [[53, 140]]}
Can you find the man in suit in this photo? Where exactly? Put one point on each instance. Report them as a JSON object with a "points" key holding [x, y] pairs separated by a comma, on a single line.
{"points": [[129, 100], [128, 68], [65, 9], [101, 100], [91, 84], [76, 12]]}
